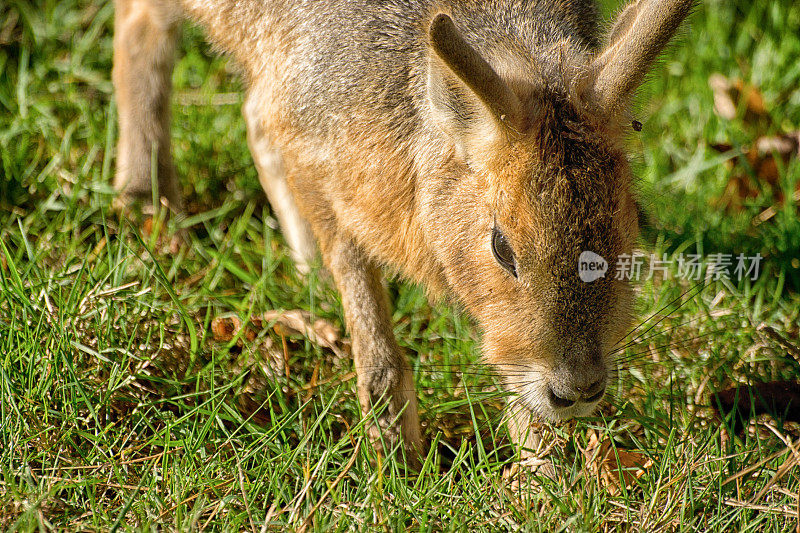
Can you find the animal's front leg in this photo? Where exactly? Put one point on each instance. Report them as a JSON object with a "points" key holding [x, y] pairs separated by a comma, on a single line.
{"points": [[385, 382], [531, 439]]}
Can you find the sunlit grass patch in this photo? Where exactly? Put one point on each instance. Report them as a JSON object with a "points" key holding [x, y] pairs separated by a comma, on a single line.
{"points": [[120, 407]]}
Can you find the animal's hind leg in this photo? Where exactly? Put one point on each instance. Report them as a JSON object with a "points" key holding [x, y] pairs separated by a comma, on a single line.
{"points": [[272, 175], [145, 35]]}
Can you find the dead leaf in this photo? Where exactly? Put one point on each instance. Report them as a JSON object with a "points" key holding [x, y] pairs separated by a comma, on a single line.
{"points": [[724, 104], [764, 158], [225, 328], [612, 465], [758, 171], [729, 95], [312, 383], [147, 227], [164, 243], [297, 322], [293, 323]]}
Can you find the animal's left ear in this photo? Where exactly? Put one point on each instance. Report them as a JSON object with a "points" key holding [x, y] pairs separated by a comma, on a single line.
{"points": [[468, 98], [639, 34]]}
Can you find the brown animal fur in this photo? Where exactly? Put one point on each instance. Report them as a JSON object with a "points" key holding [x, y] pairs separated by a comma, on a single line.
{"points": [[405, 132]]}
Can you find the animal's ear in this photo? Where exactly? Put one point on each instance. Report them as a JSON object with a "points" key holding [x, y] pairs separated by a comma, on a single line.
{"points": [[640, 33], [465, 93], [623, 22]]}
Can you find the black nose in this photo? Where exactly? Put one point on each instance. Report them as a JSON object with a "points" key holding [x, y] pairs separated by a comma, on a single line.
{"points": [[593, 392], [558, 401], [579, 375], [567, 395]]}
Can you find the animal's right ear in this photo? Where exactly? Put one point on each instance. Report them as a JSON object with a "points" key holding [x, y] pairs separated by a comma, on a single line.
{"points": [[466, 95], [639, 34], [623, 22]]}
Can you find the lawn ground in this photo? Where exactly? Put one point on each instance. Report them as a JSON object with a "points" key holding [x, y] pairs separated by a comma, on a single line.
{"points": [[125, 403]]}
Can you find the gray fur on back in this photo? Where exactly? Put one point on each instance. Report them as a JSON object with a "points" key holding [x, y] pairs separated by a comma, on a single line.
{"points": [[368, 59]]}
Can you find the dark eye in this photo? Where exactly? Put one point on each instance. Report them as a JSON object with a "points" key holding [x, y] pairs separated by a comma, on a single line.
{"points": [[502, 252]]}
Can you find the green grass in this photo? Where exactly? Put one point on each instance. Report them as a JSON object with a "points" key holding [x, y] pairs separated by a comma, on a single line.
{"points": [[120, 410]]}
